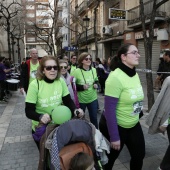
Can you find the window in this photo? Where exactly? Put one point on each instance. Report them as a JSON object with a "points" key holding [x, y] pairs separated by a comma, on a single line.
{"points": [[41, 13], [30, 15], [30, 7], [42, 38], [42, 21], [30, 38], [60, 14], [30, 23], [30, 31], [42, 7]]}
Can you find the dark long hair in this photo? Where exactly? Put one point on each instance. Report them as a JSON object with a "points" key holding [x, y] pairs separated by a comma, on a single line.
{"points": [[116, 60]]}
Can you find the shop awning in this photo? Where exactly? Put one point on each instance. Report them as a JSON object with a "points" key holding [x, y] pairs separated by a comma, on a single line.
{"points": [[111, 39]]}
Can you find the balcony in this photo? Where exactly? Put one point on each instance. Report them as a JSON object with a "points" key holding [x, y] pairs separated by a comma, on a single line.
{"points": [[82, 7], [133, 14], [91, 2], [90, 35]]}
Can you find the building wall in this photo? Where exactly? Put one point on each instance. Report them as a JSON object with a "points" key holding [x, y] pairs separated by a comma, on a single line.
{"points": [[3, 43]]}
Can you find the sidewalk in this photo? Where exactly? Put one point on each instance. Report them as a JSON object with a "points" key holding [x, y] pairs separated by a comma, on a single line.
{"points": [[19, 152]]}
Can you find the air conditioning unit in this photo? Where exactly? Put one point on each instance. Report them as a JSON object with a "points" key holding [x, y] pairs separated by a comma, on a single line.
{"points": [[162, 34], [107, 30]]}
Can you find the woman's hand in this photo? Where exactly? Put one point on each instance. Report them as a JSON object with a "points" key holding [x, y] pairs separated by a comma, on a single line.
{"points": [[79, 113], [86, 86], [116, 145], [95, 86], [45, 118]]}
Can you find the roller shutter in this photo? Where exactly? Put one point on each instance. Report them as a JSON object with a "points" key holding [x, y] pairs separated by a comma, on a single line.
{"points": [[155, 59]]}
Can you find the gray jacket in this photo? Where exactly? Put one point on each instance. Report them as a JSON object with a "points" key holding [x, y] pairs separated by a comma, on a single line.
{"points": [[160, 111]]}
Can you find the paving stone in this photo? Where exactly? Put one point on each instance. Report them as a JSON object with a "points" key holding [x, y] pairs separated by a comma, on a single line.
{"points": [[2, 108], [17, 155], [19, 127]]}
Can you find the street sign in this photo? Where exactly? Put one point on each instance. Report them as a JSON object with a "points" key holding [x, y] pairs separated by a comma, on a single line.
{"points": [[70, 48], [117, 14]]}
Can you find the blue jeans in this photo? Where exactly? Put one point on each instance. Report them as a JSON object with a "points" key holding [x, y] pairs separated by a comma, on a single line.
{"points": [[92, 108]]}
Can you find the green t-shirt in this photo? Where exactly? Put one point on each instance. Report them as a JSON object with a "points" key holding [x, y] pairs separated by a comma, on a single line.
{"points": [[89, 77], [47, 97], [33, 71], [130, 94], [72, 69]]}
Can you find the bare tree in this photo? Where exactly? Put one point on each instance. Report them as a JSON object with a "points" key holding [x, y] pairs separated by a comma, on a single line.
{"points": [[8, 11], [148, 42]]}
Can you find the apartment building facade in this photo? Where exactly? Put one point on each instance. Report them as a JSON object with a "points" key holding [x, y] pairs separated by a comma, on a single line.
{"points": [[82, 36], [113, 32], [38, 22]]}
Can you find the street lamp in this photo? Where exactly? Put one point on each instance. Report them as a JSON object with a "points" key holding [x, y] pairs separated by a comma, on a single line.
{"points": [[61, 47], [86, 21]]}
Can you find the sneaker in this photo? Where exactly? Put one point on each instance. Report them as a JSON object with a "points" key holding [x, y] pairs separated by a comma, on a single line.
{"points": [[3, 101]]}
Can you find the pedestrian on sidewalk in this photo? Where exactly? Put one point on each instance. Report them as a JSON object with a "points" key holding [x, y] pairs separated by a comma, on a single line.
{"points": [[159, 119], [46, 92], [87, 85], [70, 81], [3, 71], [123, 106], [29, 70]]}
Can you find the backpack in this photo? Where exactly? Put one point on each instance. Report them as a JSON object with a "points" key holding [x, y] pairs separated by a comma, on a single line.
{"points": [[69, 151]]}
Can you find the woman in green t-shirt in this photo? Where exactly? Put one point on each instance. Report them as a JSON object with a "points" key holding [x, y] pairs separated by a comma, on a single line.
{"points": [[123, 106], [86, 82], [46, 92]]}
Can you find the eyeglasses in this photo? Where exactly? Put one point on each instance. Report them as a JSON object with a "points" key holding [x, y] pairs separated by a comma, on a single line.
{"points": [[88, 59], [48, 68], [63, 67], [134, 53]]}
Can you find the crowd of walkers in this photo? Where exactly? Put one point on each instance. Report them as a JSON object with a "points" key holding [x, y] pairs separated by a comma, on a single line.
{"points": [[50, 82]]}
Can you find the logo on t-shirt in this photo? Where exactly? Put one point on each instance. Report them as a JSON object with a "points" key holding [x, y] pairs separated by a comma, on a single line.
{"points": [[137, 108], [33, 74]]}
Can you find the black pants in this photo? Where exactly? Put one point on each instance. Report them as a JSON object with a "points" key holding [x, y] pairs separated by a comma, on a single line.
{"points": [[102, 84], [165, 164], [134, 140], [2, 89]]}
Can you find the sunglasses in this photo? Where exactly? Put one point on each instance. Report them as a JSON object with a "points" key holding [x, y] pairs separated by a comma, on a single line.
{"points": [[63, 67], [74, 58], [88, 59], [48, 68]]}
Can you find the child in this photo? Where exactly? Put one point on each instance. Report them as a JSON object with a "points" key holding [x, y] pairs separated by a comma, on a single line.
{"points": [[82, 161]]}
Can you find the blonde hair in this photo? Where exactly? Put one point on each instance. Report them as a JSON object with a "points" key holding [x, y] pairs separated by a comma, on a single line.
{"points": [[40, 75], [63, 61]]}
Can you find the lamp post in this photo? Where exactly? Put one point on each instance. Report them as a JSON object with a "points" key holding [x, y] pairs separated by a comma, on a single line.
{"points": [[86, 21], [61, 47]]}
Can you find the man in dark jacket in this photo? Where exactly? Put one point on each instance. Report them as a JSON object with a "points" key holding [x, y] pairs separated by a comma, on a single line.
{"points": [[29, 70], [166, 66]]}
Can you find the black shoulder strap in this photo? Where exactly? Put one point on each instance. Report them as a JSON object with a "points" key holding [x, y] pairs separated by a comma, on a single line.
{"points": [[38, 83]]}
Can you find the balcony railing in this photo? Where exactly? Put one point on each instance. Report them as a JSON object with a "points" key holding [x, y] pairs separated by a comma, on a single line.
{"points": [[134, 13], [90, 35], [90, 2], [82, 7]]}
